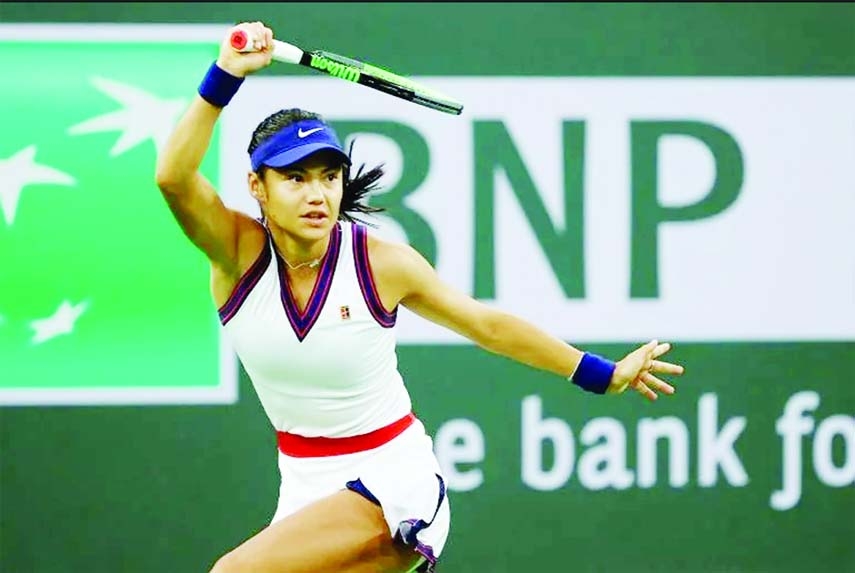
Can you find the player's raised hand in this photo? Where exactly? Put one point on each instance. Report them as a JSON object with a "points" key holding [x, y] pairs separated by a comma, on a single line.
{"points": [[639, 368], [241, 64]]}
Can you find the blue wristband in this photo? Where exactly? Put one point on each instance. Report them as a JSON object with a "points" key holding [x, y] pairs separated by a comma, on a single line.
{"points": [[594, 373], [219, 87]]}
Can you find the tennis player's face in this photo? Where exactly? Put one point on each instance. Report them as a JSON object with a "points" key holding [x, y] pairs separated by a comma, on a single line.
{"points": [[304, 198]]}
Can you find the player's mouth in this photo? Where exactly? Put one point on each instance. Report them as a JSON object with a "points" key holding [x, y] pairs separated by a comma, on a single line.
{"points": [[315, 218]]}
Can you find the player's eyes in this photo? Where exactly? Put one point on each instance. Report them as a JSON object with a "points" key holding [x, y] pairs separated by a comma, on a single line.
{"points": [[300, 178]]}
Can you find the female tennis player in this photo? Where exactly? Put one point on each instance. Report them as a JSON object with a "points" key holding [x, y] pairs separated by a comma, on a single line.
{"points": [[308, 297]]}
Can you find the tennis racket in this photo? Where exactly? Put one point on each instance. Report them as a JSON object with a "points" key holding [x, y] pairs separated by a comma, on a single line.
{"points": [[352, 70]]}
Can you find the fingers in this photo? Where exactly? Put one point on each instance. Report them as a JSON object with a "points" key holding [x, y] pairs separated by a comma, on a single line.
{"points": [[660, 349], [665, 367], [642, 355], [259, 35], [641, 365], [268, 36], [263, 36], [650, 346], [655, 383], [654, 349], [644, 390], [648, 384]]}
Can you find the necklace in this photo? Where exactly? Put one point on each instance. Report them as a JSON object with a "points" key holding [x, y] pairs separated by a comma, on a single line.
{"points": [[311, 264]]}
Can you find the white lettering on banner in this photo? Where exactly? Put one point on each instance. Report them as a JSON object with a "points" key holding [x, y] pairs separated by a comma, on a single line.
{"points": [[460, 442], [602, 459], [791, 426], [796, 422], [603, 465], [535, 431], [712, 209], [823, 460], [715, 446], [649, 431]]}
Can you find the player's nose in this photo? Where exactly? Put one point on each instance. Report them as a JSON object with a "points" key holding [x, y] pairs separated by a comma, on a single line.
{"points": [[315, 192]]}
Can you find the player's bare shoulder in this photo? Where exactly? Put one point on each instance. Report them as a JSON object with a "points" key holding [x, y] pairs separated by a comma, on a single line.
{"points": [[396, 267], [252, 237], [251, 240]]}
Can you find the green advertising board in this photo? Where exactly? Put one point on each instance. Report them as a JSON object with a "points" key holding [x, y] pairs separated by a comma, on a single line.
{"points": [[99, 306]]}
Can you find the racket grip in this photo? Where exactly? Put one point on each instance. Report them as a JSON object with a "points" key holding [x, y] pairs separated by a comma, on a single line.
{"points": [[243, 41]]}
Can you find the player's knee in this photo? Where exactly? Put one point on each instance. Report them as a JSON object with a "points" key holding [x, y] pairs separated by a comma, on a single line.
{"points": [[231, 562], [221, 566]]}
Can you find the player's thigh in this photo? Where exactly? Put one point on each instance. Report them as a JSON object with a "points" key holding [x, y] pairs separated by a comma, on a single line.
{"points": [[344, 533]]}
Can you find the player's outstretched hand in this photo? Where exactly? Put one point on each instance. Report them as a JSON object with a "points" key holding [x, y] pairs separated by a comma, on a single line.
{"points": [[241, 64], [639, 368]]}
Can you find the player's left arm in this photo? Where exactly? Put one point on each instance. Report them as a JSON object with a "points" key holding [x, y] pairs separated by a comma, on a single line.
{"points": [[409, 280]]}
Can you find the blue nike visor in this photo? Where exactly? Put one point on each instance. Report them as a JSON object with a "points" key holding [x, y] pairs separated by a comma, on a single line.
{"points": [[296, 142]]}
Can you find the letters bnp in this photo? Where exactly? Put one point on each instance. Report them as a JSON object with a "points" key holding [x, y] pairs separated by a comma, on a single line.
{"points": [[495, 151]]}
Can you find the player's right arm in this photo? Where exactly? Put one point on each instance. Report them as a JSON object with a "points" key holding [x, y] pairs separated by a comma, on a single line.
{"points": [[208, 223], [194, 202]]}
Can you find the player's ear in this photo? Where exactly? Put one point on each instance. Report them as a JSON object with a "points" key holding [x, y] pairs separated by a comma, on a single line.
{"points": [[256, 186]]}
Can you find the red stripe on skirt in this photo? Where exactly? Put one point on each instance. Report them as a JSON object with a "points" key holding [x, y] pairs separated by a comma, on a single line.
{"points": [[303, 447]]}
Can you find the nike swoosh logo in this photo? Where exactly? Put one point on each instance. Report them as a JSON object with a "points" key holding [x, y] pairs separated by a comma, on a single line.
{"points": [[301, 134]]}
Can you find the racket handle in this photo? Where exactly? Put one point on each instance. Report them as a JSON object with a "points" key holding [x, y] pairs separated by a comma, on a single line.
{"points": [[242, 41]]}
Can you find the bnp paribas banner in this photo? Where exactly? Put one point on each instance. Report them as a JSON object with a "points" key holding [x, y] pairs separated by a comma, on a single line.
{"points": [[692, 209], [717, 213]]}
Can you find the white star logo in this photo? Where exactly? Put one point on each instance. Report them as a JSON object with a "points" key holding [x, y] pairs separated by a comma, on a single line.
{"points": [[143, 116], [59, 323], [21, 170]]}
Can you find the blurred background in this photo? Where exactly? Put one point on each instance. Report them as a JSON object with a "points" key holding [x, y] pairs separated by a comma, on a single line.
{"points": [[620, 172]]}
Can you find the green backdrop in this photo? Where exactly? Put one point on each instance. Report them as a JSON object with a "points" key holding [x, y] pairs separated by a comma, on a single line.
{"points": [[169, 488]]}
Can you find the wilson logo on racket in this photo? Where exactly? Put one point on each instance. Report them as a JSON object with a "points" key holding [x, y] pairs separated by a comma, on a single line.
{"points": [[345, 68], [335, 69]]}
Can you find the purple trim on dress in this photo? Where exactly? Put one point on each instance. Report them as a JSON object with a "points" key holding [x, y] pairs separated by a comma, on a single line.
{"points": [[302, 322], [366, 279], [408, 531], [245, 285], [359, 487]]}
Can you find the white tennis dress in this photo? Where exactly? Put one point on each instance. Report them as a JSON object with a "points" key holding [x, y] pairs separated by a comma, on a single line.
{"points": [[330, 373]]}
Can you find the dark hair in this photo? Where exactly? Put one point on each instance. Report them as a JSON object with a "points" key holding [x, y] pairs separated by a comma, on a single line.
{"points": [[356, 189]]}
